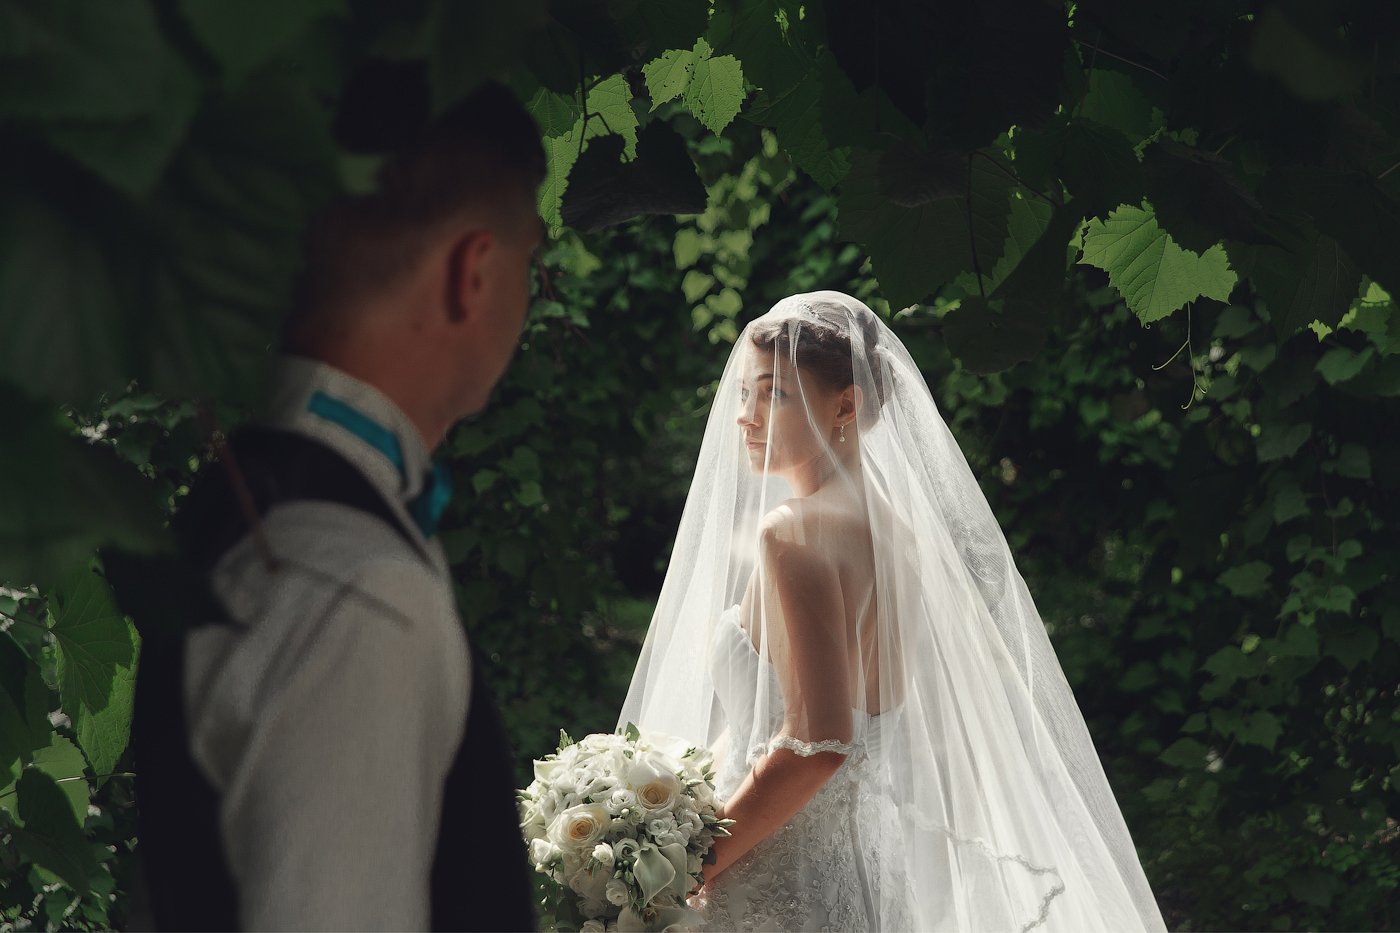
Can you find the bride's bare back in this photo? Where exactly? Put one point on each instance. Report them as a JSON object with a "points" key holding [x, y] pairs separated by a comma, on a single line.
{"points": [[830, 530]]}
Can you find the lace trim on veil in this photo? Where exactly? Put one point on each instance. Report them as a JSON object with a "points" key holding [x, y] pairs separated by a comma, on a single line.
{"points": [[1055, 891]]}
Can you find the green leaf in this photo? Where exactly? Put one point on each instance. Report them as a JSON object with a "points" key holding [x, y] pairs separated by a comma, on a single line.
{"points": [[1153, 274], [604, 190], [529, 494], [1340, 364], [1026, 223], [1354, 646], [24, 706], [1248, 580], [696, 285], [1289, 503], [132, 154], [97, 650], [914, 250], [667, 76], [472, 42], [482, 480], [610, 111], [1279, 442], [64, 497], [987, 338], [61, 760], [688, 247], [560, 153], [1185, 753], [1350, 208], [716, 89], [555, 113], [794, 114], [1255, 728], [1114, 100], [1297, 641], [1199, 198], [1096, 163], [1312, 280], [1354, 462], [67, 59], [50, 837], [241, 36]]}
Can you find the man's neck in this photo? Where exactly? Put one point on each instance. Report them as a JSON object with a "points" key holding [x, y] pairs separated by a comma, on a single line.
{"points": [[403, 385]]}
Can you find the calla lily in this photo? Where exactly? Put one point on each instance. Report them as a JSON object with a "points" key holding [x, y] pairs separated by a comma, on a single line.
{"points": [[654, 872], [676, 855]]}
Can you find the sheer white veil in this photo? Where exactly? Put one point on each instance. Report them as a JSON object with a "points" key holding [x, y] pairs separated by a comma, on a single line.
{"points": [[985, 805]]}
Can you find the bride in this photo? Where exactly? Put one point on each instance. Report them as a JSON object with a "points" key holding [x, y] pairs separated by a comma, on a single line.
{"points": [[843, 624]]}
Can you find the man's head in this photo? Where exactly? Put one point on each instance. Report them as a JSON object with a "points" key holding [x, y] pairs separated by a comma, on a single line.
{"points": [[421, 286]]}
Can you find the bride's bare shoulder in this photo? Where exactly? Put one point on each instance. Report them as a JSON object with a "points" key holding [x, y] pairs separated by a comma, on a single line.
{"points": [[816, 527]]}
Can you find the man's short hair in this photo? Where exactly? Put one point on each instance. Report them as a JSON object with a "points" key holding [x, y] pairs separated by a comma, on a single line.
{"points": [[480, 157]]}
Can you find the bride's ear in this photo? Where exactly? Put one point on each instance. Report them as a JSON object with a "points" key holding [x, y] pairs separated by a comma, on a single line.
{"points": [[848, 404]]}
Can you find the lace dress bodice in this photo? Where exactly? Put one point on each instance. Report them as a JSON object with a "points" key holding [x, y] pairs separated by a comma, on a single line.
{"points": [[821, 871]]}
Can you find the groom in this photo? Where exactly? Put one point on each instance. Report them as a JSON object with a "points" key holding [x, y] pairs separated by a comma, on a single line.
{"points": [[325, 754]]}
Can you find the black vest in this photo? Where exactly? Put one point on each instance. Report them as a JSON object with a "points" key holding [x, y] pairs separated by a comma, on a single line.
{"points": [[189, 880]]}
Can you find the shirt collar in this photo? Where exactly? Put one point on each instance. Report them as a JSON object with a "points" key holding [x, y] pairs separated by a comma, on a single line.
{"points": [[353, 418]]}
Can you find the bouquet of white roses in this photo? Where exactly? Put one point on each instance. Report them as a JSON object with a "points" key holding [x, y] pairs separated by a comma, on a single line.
{"points": [[617, 827]]}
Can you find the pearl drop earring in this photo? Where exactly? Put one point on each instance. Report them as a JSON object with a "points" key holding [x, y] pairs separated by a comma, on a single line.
{"points": [[843, 434]]}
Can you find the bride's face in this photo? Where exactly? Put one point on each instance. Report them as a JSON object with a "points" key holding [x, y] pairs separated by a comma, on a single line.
{"points": [[780, 411]]}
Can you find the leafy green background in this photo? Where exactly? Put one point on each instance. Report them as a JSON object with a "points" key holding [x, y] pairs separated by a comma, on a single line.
{"points": [[1143, 252]]}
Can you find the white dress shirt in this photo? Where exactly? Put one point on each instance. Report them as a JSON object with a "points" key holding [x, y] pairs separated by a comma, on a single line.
{"points": [[329, 717]]}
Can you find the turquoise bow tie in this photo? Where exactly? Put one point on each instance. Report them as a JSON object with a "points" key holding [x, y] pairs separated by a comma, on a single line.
{"points": [[428, 506]]}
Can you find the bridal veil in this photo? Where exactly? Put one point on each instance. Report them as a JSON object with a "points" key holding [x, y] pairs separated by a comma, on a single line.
{"points": [[988, 808]]}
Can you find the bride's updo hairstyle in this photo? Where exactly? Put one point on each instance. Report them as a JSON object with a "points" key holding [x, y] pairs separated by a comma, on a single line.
{"points": [[822, 346]]}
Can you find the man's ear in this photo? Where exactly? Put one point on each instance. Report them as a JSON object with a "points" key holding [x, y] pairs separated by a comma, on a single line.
{"points": [[466, 272]]}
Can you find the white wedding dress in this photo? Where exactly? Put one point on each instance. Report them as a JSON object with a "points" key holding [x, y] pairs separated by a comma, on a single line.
{"points": [[806, 876], [831, 501]]}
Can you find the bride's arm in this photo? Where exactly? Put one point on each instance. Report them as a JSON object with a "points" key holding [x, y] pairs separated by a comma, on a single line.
{"points": [[817, 697]]}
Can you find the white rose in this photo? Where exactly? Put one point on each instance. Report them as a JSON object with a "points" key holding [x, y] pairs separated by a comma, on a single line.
{"points": [[616, 892], [579, 827], [656, 789], [604, 854], [593, 926]]}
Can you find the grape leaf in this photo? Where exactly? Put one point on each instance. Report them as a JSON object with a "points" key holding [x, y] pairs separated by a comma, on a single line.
{"points": [[715, 91], [1312, 280], [49, 836], [1113, 99], [987, 337], [1278, 442], [554, 113], [97, 649], [914, 250], [668, 75], [560, 153], [610, 111], [1154, 275], [1247, 580], [1342, 363], [61, 760]]}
